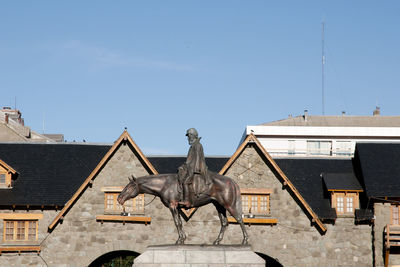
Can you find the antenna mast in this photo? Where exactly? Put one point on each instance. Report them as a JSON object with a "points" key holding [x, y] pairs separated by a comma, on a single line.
{"points": [[323, 67]]}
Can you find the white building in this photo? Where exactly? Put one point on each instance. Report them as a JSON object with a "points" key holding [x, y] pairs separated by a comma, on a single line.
{"points": [[331, 136]]}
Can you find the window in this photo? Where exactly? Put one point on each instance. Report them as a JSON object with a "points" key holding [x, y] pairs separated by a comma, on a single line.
{"points": [[344, 202], [291, 147], [5, 179], [343, 148], [20, 230], [134, 205], [395, 214], [256, 202], [5, 174], [319, 148]]}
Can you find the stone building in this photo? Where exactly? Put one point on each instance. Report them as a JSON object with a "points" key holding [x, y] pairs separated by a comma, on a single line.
{"points": [[58, 206], [13, 129]]}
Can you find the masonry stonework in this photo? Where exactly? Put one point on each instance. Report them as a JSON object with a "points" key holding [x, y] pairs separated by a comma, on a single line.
{"points": [[382, 218]]}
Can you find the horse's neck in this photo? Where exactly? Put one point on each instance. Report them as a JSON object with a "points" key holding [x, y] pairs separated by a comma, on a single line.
{"points": [[152, 185]]}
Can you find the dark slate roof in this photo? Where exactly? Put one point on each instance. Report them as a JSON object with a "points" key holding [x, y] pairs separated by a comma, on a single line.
{"points": [[305, 174], [363, 215], [341, 181], [171, 164], [49, 174], [379, 164]]}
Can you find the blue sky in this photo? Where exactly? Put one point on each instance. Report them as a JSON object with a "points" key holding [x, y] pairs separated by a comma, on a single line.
{"points": [[90, 68]]}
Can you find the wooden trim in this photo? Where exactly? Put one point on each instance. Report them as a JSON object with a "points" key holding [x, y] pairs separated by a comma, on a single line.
{"points": [[134, 202], [20, 249], [345, 196], [124, 136], [255, 220], [392, 208], [7, 167], [21, 216], [7, 177], [251, 138], [257, 209], [124, 219], [256, 191], [16, 227], [345, 190], [117, 189]]}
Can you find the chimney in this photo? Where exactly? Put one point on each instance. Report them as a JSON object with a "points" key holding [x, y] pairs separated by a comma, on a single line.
{"points": [[6, 118], [377, 111], [305, 116]]}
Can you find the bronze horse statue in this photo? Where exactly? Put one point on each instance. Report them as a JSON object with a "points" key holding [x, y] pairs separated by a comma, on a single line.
{"points": [[223, 192]]}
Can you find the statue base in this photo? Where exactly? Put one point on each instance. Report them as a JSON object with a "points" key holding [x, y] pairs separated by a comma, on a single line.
{"points": [[199, 256]]}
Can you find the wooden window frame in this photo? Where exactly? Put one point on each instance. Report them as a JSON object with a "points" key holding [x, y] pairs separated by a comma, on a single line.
{"points": [[7, 175], [259, 193], [26, 230], [346, 195], [116, 207], [392, 208]]}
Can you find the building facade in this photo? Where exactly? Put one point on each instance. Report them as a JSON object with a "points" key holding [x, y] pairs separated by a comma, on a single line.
{"points": [[58, 206], [328, 136]]}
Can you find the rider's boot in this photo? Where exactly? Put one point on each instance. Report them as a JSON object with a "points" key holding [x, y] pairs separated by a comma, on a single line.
{"points": [[186, 196]]}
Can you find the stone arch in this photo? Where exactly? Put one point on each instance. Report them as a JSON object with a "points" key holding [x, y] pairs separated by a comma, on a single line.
{"points": [[269, 261], [99, 261]]}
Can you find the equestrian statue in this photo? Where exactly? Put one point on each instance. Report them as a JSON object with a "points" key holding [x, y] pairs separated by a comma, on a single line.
{"points": [[192, 186]]}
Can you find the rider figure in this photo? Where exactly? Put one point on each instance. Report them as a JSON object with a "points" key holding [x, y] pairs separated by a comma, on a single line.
{"points": [[195, 166]]}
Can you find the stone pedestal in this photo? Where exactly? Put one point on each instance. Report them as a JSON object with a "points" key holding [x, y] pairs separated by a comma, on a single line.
{"points": [[199, 256]]}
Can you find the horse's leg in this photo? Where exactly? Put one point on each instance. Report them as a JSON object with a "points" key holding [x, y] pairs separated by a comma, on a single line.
{"points": [[178, 224], [238, 216], [224, 222]]}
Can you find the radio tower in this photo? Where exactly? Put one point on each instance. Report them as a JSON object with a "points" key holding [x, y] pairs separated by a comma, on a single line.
{"points": [[323, 65]]}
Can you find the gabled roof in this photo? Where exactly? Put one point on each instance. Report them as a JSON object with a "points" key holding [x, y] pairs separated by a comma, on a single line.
{"points": [[7, 167], [125, 137], [379, 164], [341, 181], [252, 139], [48, 174]]}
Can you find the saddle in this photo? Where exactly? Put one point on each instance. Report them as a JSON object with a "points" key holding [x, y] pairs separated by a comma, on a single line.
{"points": [[197, 183]]}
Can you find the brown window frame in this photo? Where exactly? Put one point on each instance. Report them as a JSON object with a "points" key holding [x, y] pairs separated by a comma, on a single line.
{"points": [[394, 207], [346, 195], [7, 176], [25, 232], [131, 205], [258, 196]]}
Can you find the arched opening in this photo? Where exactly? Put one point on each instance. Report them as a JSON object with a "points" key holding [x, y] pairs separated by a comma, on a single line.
{"points": [[269, 261], [119, 258]]}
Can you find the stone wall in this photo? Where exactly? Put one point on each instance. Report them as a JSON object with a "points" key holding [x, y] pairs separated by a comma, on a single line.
{"points": [[382, 214], [80, 239]]}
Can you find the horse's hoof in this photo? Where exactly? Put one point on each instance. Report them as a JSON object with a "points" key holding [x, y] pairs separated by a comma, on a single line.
{"points": [[179, 242]]}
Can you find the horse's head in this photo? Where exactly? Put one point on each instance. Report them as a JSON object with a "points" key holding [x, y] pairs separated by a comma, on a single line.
{"points": [[131, 190]]}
